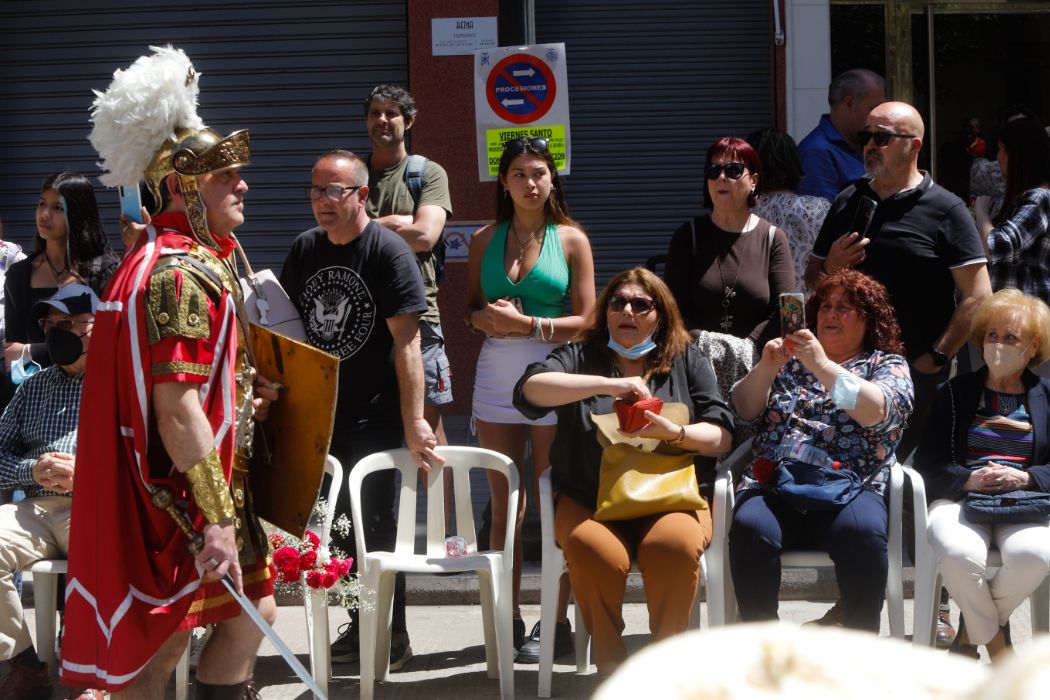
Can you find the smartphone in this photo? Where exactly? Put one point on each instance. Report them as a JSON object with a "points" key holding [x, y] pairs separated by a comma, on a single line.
{"points": [[792, 313], [863, 216], [131, 203]]}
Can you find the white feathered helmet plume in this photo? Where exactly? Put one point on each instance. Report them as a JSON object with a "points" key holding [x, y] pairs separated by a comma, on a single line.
{"points": [[146, 127]]}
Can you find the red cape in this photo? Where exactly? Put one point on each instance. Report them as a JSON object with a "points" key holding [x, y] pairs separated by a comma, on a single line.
{"points": [[131, 579]]}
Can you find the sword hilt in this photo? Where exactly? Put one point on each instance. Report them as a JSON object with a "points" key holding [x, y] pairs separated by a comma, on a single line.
{"points": [[164, 499]]}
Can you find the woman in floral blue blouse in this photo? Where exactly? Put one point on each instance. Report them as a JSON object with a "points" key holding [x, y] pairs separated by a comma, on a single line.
{"points": [[840, 397]]}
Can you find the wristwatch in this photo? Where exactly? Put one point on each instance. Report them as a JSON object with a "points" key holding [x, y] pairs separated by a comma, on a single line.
{"points": [[939, 358]]}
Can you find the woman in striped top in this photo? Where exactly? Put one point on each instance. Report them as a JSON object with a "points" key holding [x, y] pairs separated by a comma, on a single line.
{"points": [[989, 434]]}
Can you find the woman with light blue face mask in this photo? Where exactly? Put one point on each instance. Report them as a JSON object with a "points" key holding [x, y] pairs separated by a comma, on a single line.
{"points": [[71, 247], [634, 347]]}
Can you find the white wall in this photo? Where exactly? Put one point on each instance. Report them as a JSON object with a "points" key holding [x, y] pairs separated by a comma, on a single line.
{"points": [[808, 44]]}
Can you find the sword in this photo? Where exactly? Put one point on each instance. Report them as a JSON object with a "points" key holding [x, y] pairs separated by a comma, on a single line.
{"points": [[165, 500]]}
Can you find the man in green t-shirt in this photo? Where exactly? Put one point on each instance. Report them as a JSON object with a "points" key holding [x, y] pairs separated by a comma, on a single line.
{"points": [[409, 195]]}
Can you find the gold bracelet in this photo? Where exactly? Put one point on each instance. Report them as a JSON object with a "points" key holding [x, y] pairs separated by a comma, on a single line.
{"points": [[210, 490], [681, 437]]}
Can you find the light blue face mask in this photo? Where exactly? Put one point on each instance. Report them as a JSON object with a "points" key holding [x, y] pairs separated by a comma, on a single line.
{"points": [[635, 352], [23, 367]]}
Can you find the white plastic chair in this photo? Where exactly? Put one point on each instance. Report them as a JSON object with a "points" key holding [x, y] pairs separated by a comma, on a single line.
{"points": [[725, 501], [45, 596], [928, 578], [552, 567], [315, 607], [378, 569]]}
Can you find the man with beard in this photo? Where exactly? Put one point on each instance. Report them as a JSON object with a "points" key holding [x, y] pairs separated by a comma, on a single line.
{"points": [[922, 244]]}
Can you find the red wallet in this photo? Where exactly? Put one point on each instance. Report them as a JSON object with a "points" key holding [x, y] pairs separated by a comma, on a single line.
{"points": [[632, 415]]}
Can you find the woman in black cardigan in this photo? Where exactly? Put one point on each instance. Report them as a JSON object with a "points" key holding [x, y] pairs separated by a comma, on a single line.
{"points": [[988, 433]]}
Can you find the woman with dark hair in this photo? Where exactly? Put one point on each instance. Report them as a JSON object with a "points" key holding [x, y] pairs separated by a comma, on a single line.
{"points": [[1018, 240], [524, 270], [798, 215], [837, 399], [634, 347], [71, 246], [727, 269]]}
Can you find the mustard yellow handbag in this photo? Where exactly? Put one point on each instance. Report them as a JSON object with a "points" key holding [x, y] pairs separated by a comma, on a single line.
{"points": [[640, 476]]}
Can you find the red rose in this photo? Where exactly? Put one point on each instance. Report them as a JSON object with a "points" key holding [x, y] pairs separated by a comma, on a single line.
{"points": [[313, 579], [308, 560], [345, 565], [329, 580], [313, 539]]}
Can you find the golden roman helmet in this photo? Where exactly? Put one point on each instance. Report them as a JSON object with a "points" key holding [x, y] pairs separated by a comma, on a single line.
{"points": [[191, 153]]}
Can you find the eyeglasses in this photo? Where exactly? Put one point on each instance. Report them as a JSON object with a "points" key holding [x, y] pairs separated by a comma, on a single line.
{"points": [[519, 145], [839, 309], [65, 324], [639, 305], [733, 171], [881, 138], [331, 192]]}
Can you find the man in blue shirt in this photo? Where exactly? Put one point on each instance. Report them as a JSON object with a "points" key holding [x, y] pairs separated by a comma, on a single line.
{"points": [[831, 156]]}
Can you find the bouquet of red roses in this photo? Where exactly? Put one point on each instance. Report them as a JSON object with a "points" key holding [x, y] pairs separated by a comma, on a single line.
{"points": [[320, 568]]}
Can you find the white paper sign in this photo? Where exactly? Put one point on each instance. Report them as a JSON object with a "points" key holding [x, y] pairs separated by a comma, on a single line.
{"points": [[462, 36], [521, 91]]}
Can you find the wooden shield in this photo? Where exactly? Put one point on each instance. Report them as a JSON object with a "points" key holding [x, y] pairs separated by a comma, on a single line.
{"points": [[292, 443]]}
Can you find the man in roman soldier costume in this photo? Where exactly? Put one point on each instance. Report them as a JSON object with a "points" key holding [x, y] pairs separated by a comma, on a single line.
{"points": [[170, 402]]}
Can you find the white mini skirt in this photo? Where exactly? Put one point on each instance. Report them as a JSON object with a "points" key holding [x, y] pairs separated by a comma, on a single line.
{"points": [[500, 366]]}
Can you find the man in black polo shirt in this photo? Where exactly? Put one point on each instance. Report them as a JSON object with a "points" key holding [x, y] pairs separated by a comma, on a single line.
{"points": [[922, 244]]}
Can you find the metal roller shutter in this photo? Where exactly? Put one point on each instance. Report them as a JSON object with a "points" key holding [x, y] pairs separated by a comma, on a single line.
{"points": [[294, 73], [651, 86]]}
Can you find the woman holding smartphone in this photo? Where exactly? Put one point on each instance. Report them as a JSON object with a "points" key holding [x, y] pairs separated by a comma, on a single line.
{"points": [[524, 270], [71, 246]]}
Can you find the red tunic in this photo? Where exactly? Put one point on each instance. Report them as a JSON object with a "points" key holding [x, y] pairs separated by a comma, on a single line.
{"points": [[132, 581]]}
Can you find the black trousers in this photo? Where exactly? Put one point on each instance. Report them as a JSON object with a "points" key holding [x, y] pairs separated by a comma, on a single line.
{"points": [[378, 497], [855, 536]]}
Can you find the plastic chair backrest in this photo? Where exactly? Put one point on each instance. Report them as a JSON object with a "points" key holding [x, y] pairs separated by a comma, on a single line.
{"points": [[334, 469], [460, 460]]}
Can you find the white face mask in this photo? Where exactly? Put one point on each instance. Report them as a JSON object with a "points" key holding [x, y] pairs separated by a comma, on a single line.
{"points": [[1004, 360]]}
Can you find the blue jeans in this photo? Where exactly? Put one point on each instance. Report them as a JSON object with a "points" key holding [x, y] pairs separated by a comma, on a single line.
{"points": [[855, 536]]}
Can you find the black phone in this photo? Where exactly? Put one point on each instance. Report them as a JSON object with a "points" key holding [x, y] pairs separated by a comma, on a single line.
{"points": [[863, 216]]}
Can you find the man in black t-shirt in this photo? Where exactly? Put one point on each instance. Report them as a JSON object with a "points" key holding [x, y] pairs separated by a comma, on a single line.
{"points": [[922, 244], [359, 290]]}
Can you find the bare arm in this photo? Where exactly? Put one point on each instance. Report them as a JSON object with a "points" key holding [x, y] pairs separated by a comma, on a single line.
{"points": [[408, 364], [581, 277], [974, 285], [751, 394], [422, 230], [187, 437], [559, 388]]}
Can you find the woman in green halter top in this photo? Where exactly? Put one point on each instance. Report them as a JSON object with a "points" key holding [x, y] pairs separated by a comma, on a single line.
{"points": [[524, 269]]}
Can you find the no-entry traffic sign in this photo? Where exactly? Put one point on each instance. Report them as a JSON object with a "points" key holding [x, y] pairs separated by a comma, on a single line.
{"points": [[520, 91], [521, 88]]}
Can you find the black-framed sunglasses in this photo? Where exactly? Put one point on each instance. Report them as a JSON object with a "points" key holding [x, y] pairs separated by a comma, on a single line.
{"points": [[733, 171], [881, 138], [516, 146], [640, 305], [332, 192], [65, 324]]}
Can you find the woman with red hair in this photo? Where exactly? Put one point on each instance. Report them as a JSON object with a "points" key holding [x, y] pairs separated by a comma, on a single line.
{"points": [[837, 399], [727, 268]]}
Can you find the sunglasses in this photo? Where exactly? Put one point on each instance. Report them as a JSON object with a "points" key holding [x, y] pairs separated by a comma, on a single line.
{"points": [[519, 145], [881, 138], [639, 305], [733, 171]]}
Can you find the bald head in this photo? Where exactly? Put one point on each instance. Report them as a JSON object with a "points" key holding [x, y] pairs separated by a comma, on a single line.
{"points": [[900, 116]]}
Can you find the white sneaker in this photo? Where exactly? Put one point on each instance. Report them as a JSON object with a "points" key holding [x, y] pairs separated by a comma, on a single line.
{"points": [[198, 638]]}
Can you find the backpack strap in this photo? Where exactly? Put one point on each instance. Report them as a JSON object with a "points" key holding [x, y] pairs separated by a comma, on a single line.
{"points": [[414, 176]]}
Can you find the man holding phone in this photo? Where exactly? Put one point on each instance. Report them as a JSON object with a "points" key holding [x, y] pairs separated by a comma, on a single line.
{"points": [[920, 241]]}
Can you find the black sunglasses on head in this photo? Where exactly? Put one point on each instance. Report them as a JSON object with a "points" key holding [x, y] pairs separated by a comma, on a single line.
{"points": [[517, 146], [881, 138], [733, 171]]}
